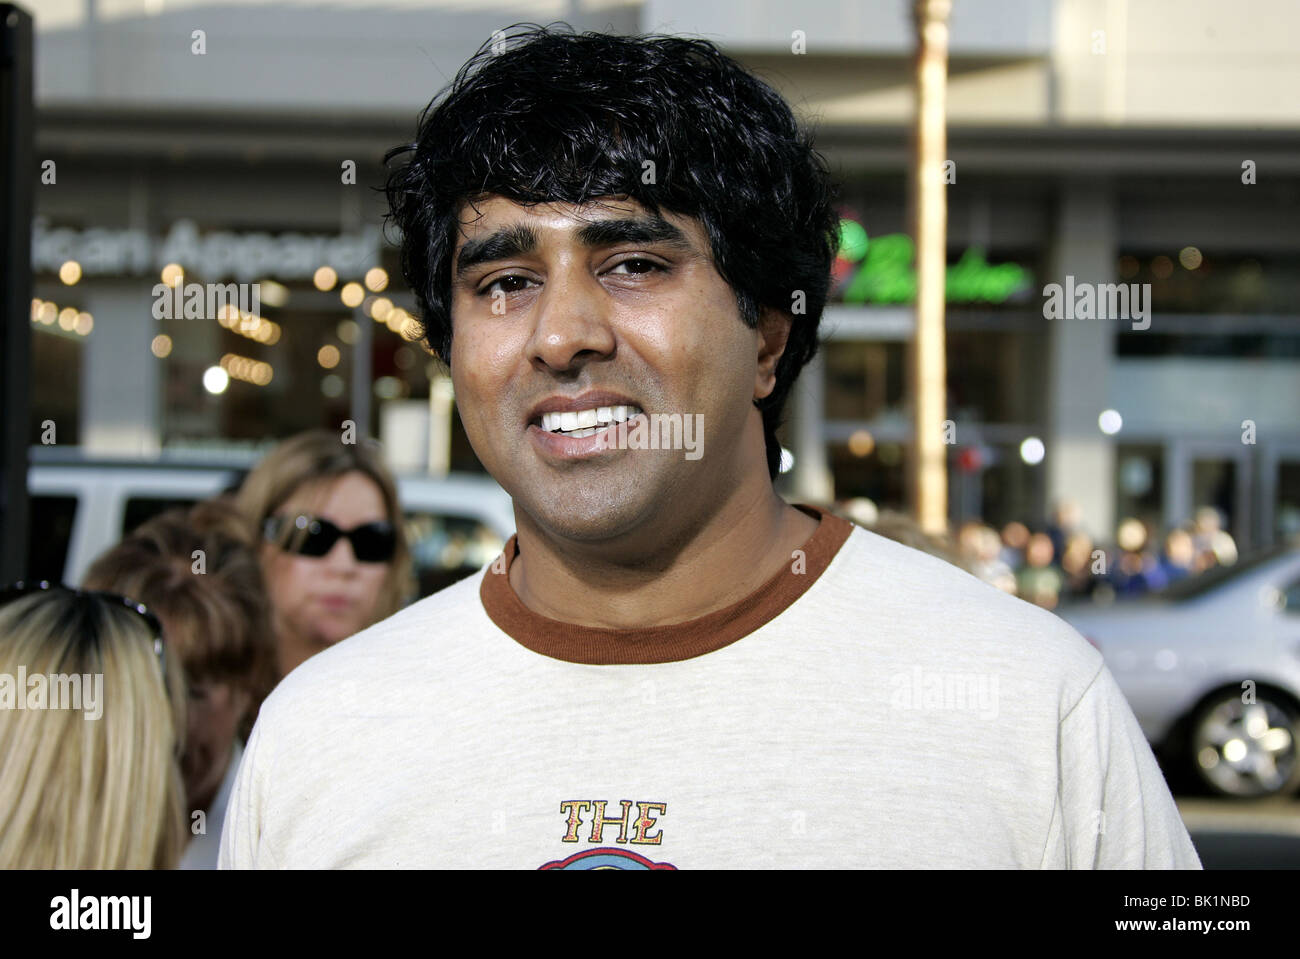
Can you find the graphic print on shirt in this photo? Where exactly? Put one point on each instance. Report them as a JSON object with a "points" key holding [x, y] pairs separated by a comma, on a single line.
{"points": [[606, 859], [643, 830]]}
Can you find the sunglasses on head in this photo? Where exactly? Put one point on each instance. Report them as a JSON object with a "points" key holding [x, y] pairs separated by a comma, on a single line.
{"points": [[312, 536], [22, 588]]}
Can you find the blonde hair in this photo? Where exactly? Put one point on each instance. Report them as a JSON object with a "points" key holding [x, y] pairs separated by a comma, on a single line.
{"points": [[220, 621], [320, 455], [90, 793]]}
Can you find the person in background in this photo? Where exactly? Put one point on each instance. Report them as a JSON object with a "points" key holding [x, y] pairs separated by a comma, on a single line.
{"points": [[90, 783], [198, 571], [1179, 555], [1067, 520], [858, 509], [1015, 540], [333, 550], [1077, 565], [980, 547], [1040, 580], [1136, 570], [1214, 545]]}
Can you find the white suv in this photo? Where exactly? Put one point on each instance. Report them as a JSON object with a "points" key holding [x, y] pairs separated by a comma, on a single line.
{"points": [[80, 507]]}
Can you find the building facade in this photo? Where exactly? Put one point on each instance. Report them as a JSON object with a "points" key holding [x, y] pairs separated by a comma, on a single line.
{"points": [[1148, 152]]}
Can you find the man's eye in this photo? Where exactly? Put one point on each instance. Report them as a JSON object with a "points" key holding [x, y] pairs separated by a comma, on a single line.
{"points": [[650, 265], [509, 278]]}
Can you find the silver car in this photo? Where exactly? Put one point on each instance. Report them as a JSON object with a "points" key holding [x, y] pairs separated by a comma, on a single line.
{"points": [[1211, 668]]}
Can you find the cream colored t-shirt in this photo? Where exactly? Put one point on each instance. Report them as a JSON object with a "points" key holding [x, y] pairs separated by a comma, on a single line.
{"points": [[870, 706]]}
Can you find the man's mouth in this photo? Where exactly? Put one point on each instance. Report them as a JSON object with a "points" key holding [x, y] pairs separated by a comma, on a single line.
{"points": [[586, 422]]}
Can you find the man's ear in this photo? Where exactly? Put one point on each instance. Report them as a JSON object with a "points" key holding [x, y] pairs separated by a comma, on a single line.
{"points": [[774, 331]]}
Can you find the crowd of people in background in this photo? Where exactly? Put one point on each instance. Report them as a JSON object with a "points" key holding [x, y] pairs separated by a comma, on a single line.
{"points": [[186, 624], [1060, 562], [197, 614]]}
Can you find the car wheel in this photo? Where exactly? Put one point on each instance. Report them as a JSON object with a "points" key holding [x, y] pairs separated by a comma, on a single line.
{"points": [[1246, 749]]}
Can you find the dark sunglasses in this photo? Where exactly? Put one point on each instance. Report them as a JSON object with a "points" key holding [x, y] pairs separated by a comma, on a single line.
{"points": [[312, 536], [21, 588]]}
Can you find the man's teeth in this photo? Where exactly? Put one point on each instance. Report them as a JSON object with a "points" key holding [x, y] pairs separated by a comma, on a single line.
{"points": [[586, 422]]}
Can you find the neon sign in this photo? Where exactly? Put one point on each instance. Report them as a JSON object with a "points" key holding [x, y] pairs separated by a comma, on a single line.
{"points": [[882, 270]]}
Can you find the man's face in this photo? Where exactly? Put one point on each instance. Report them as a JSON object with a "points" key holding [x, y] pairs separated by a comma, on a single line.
{"points": [[597, 308]]}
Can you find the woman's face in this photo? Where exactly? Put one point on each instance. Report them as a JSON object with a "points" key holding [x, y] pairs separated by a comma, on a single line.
{"points": [[328, 598], [215, 711]]}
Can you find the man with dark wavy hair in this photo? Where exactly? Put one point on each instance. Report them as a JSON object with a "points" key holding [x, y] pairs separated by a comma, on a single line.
{"points": [[621, 248]]}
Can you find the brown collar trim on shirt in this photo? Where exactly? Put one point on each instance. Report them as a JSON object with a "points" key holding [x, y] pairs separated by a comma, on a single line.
{"points": [[603, 646]]}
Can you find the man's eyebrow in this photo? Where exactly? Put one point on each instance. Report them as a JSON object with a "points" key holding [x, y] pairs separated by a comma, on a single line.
{"points": [[521, 239], [498, 245], [645, 229]]}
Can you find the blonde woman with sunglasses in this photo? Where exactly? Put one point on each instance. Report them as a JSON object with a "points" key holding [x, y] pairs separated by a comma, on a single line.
{"points": [[334, 553]]}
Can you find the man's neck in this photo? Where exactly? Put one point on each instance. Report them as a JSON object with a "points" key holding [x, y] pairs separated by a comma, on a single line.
{"points": [[711, 565]]}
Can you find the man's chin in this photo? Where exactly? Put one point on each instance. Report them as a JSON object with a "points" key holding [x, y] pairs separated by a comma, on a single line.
{"points": [[584, 514]]}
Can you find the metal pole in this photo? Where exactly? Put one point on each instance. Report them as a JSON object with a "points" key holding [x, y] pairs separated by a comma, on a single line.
{"points": [[350, 219], [813, 482], [927, 365], [16, 174]]}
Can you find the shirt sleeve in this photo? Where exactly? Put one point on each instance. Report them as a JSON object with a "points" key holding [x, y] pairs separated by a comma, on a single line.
{"points": [[1116, 810], [241, 836]]}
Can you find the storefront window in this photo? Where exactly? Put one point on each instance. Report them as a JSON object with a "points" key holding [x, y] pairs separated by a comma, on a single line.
{"points": [[863, 380], [1004, 487], [992, 378], [995, 377], [1286, 517], [1211, 305], [878, 476], [55, 384], [1196, 280], [1140, 483]]}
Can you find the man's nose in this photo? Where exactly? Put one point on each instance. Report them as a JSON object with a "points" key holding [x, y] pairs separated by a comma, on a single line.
{"points": [[572, 321]]}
